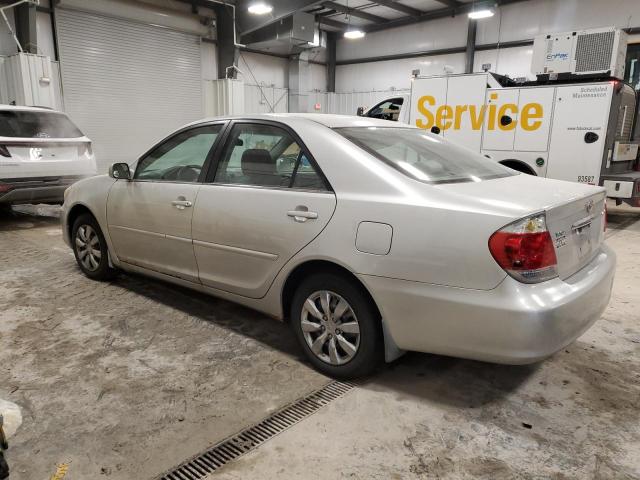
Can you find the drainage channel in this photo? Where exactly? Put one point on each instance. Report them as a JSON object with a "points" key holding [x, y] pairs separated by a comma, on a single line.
{"points": [[250, 438]]}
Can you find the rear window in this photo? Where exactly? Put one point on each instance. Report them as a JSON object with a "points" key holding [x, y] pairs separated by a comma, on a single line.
{"points": [[423, 156], [26, 124]]}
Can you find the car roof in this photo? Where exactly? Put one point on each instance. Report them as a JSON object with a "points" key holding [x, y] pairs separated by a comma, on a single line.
{"points": [[328, 120], [22, 108]]}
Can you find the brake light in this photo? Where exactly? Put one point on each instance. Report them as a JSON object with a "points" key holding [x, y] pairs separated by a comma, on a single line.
{"points": [[4, 151], [4, 188], [524, 249], [85, 148]]}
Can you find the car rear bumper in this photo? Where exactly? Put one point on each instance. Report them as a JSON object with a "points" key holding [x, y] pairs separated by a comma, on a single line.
{"points": [[514, 323], [35, 190]]}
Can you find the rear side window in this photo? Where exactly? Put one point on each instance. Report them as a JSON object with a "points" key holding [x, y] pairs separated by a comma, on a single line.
{"points": [[26, 124], [423, 156], [266, 156]]}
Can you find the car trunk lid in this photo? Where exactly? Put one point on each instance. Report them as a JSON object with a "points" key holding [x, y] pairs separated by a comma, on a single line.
{"points": [[577, 230], [574, 212], [29, 157]]}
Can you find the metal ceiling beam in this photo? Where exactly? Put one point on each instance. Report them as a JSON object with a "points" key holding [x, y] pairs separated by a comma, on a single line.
{"points": [[354, 12], [432, 15], [328, 22], [392, 4], [450, 3]]}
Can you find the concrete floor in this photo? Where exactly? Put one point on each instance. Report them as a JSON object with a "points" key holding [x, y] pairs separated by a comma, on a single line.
{"points": [[124, 380]]}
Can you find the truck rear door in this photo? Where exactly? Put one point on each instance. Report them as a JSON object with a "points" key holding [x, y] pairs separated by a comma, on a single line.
{"points": [[578, 132]]}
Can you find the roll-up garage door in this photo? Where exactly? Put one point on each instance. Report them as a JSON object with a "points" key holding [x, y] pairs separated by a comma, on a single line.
{"points": [[126, 84]]}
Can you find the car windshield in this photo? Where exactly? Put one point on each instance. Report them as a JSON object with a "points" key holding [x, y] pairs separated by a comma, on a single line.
{"points": [[423, 156], [30, 124]]}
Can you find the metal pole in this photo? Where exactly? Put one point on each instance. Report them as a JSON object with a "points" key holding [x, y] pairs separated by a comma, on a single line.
{"points": [[471, 46]]}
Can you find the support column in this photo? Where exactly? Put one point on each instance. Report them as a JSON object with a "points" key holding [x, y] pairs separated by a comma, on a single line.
{"points": [[25, 16], [299, 81], [332, 39], [471, 46], [228, 53]]}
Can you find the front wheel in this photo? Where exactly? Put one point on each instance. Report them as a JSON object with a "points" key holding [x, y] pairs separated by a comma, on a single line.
{"points": [[90, 248], [337, 326]]}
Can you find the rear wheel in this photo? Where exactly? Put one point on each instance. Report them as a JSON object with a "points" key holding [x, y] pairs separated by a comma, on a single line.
{"points": [[337, 326], [90, 248]]}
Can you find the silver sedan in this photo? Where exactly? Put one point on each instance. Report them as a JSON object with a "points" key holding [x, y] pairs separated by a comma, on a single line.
{"points": [[369, 238]]}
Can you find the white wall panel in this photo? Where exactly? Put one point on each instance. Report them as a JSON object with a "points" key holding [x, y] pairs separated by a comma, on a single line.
{"points": [[44, 31], [524, 20], [264, 69], [209, 54], [444, 33], [318, 75], [7, 44], [393, 73], [127, 84], [264, 99], [514, 62]]}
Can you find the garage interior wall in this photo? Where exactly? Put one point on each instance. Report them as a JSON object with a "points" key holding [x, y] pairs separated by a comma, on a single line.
{"points": [[266, 76], [507, 25]]}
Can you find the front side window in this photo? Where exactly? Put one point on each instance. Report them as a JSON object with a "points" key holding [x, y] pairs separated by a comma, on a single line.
{"points": [[425, 157], [387, 110], [181, 158], [266, 156], [36, 124]]}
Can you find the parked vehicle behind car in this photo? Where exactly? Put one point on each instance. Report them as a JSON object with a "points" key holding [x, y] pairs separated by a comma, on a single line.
{"points": [[41, 153], [378, 238]]}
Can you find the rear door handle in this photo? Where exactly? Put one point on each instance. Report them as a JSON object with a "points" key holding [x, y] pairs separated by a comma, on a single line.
{"points": [[181, 203], [302, 215]]}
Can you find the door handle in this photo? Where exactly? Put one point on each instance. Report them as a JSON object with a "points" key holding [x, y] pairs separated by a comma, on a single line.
{"points": [[302, 214], [181, 203]]}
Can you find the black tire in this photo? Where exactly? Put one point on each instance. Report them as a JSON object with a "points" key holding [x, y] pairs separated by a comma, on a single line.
{"points": [[99, 269], [370, 351]]}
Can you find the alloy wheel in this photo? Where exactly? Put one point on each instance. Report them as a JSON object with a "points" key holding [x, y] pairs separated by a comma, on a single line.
{"points": [[88, 247], [330, 327]]}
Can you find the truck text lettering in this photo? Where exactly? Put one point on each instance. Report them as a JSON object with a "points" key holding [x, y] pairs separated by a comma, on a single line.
{"points": [[448, 117]]}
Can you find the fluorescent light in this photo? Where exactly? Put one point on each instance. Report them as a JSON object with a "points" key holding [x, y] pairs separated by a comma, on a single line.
{"points": [[353, 34], [260, 8], [478, 14]]}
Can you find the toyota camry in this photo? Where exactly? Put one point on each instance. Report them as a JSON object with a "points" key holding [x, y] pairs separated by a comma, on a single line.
{"points": [[369, 238]]}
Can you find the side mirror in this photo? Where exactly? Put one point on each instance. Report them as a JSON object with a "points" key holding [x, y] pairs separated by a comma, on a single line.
{"points": [[360, 111], [120, 171]]}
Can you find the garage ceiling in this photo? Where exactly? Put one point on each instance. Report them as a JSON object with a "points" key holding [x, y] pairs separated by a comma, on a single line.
{"points": [[367, 15]]}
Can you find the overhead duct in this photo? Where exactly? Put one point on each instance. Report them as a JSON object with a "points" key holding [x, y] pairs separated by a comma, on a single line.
{"points": [[289, 35]]}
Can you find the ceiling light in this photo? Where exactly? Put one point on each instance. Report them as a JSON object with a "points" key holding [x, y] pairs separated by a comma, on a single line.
{"points": [[478, 14], [260, 8], [353, 34]]}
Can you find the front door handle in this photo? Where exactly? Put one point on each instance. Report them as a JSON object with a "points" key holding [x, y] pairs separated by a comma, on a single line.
{"points": [[181, 203], [302, 214]]}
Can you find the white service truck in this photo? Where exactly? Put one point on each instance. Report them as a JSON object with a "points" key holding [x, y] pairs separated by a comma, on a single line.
{"points": [[574, 123]]}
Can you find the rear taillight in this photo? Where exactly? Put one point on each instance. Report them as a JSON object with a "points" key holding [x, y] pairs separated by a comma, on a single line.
{"points": [[4, 151], [4, 188], [85, 149], [524, 249]]}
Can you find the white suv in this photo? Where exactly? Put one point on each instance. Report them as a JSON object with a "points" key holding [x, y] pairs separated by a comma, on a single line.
{"points": [[41, 153]]}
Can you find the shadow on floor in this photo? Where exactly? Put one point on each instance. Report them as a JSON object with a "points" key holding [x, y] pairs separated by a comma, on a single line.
{"points": [[24, 217]]}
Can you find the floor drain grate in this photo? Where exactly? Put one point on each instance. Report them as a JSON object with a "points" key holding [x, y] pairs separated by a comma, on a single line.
{"points": [[250, 438]]}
